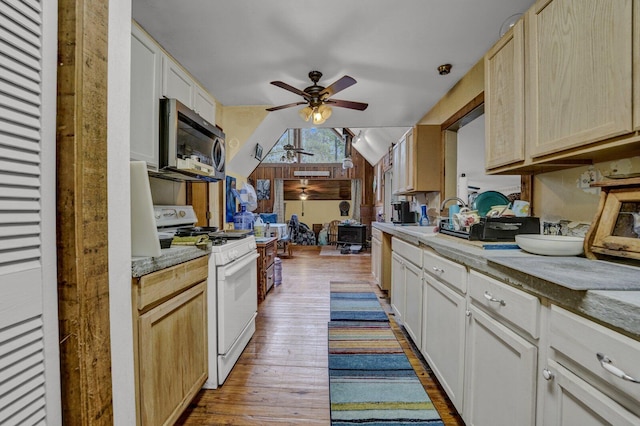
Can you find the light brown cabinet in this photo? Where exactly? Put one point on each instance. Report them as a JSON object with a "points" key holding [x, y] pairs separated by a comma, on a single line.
{"points": [[267, 252], [580, 73], [504, 99], [417, 161], [170, 340]]}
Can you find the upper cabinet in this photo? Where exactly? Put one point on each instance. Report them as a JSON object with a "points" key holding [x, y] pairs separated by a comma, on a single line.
{"points": [[562, 87], [504, 99], [417, 161], [580, 77], [178, 84], [155, 75], [146, 67]]}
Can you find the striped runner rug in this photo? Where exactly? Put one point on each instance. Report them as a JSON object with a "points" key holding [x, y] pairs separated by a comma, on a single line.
{"points": [[355, 301], [371, 381]]}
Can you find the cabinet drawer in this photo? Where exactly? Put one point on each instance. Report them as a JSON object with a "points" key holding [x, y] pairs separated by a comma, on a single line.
{"points": [[445, 270], [269, 254], [517, 307], [376, 233], [158, 286], [410, 252], [577, 341], [270, 276]]}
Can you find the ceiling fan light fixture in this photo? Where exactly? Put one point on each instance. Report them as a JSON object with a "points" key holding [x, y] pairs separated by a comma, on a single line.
{"points": [[347, 163], [303, 195], [325, 111], [318, 117], [305, 113]]}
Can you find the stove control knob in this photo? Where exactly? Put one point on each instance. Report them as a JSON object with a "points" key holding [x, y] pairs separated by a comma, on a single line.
{"points": [[182, 213]]}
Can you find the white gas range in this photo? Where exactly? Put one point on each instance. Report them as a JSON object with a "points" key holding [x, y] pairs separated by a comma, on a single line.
{"points": [[232, 287]]}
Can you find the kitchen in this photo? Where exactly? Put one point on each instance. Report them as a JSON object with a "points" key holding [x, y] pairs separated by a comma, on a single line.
{"points": [[117, 179]]}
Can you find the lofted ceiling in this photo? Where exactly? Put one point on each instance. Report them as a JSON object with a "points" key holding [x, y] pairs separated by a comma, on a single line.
{"points": [[235, 48]]}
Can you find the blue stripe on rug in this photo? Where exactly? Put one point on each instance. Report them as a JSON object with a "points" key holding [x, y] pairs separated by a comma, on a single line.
{"points": [[361, 306], [369, 362]]}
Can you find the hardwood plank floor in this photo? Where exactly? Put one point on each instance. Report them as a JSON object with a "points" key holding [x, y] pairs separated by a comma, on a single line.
{"points": [[281, 377]]}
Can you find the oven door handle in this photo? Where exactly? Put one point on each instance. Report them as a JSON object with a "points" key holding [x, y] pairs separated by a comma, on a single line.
{"points": [[240, 264]]}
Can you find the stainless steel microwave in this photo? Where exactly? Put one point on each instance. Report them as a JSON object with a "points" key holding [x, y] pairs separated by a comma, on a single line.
{"points": [[191, 148]]}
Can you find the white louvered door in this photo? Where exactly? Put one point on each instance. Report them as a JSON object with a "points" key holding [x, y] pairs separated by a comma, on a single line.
{"points": [[29, 361]]}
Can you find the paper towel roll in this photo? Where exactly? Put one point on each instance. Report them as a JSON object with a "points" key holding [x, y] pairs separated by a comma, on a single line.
{"points": [[463, 188]]}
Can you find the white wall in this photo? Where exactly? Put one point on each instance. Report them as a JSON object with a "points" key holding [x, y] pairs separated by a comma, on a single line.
{"points": [[471, 160], [119, 76]]}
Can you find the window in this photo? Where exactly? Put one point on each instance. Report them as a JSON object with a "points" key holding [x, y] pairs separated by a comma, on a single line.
{"points": [[326, 144]]}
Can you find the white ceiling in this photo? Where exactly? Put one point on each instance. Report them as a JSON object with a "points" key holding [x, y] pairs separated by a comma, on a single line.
{"points": [[392, 48]]}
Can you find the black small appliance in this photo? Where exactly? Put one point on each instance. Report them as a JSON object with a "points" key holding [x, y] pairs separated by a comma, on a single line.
{"points": [[402, 213]]}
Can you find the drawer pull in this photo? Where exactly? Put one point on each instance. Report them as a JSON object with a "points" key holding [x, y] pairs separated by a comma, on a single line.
{"points": [[547, 374], [606, 363], [438, 270], [490, 298]]}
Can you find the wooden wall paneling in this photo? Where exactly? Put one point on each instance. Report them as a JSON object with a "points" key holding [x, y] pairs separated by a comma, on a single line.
{"points": [[82, 222], [198, 197]]}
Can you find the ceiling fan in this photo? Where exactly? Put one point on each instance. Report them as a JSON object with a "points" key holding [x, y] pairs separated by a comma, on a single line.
{"points": [[319, 98]]}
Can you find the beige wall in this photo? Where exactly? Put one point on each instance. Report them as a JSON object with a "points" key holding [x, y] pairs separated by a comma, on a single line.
{"points": [[239, 123], [557, 195], [469, 86], [315, 211]]}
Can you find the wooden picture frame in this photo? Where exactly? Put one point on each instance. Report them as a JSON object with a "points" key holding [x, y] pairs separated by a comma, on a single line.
{"points": [[257, 153], [616, 228]]}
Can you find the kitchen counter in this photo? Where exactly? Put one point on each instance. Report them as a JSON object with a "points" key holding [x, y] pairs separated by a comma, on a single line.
{"points": [[172, 256], [604, 291]]}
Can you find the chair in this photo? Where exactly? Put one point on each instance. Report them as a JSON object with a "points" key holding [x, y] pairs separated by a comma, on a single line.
{"points": [[333, 231], [285, 243], [301, 233]]}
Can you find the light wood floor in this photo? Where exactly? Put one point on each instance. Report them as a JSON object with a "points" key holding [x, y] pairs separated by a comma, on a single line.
{"points": [[281, 378]]}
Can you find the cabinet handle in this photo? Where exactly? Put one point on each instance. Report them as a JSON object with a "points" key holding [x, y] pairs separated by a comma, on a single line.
{"points": [[490, 298], [547, 374], [438, 270], [607, 364], [467, 312]]}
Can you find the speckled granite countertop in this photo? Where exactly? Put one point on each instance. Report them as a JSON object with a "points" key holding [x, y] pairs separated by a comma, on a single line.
{"points": [[606, 292], [172, 256]]}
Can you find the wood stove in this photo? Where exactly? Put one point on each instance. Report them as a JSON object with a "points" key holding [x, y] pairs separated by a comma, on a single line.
{"points": [[352, 235]]}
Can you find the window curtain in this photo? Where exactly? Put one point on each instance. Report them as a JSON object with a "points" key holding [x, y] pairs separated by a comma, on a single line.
{"points": [[356, 197], [278, 200]]}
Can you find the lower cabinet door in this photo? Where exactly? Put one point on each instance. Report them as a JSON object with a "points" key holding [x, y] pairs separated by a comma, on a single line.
{"points": [[413, 303], [172, 342], [500, 373], [570, 401], [443, 339], [397, 287], [376, 260]]}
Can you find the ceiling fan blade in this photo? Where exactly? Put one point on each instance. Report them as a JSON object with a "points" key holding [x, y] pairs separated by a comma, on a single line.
{"points": [[290, 88], [360, 106], [339, 85], [276, 108], [305, 153]]}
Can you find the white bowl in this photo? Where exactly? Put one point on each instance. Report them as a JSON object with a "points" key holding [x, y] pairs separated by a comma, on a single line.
{"points": [[550, 245]]}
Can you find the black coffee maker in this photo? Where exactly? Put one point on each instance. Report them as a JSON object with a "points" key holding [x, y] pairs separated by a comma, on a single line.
{"points": [[401, 212]]}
